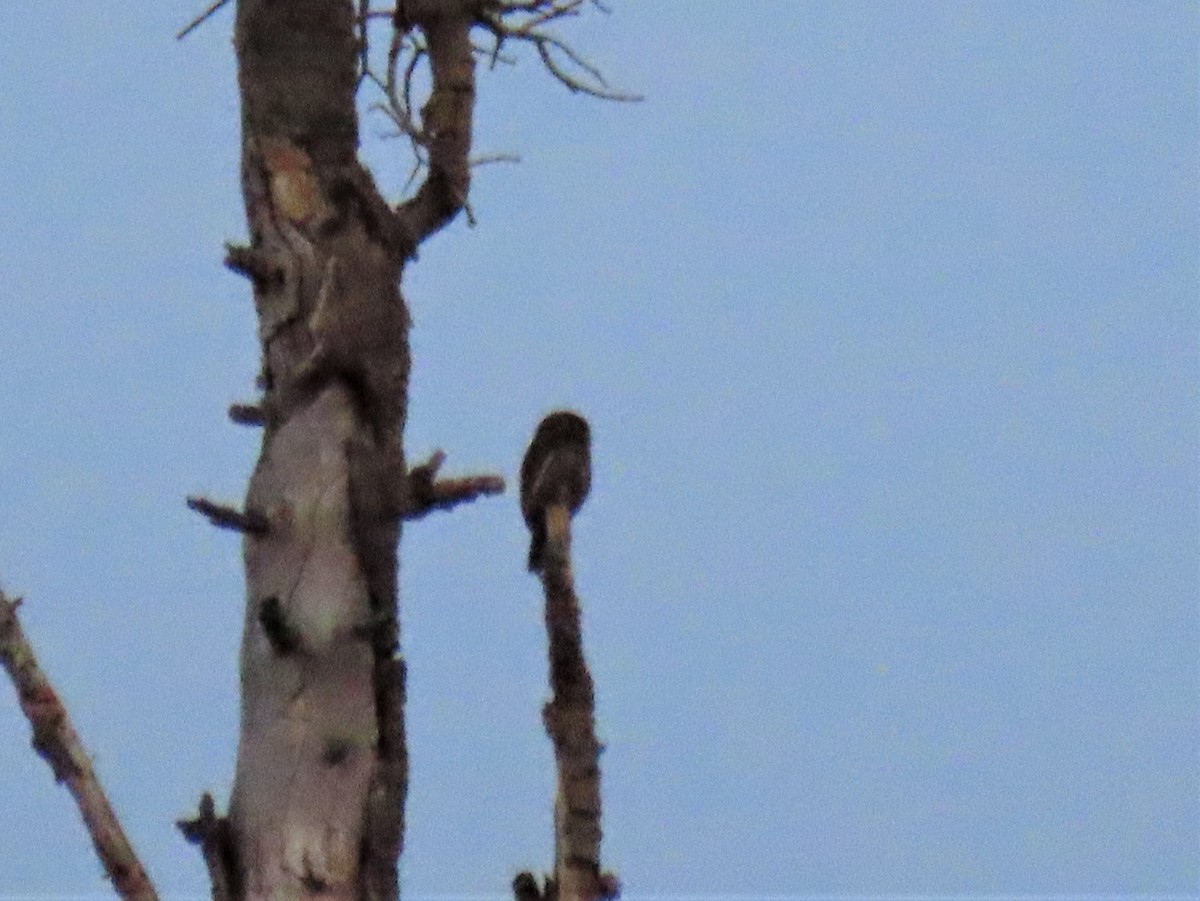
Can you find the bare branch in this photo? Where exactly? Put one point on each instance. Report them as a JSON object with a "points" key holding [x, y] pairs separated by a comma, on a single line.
{"points": [[521, 6], [200, 19], [55, 739], [493, 55], [225, 517], [412, 175], [554, 11], [446, 121], [525, 21], [427, 493], [488, 158], [397, 89], [440, 132]]}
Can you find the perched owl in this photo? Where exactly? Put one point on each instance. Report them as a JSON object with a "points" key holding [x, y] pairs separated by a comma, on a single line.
{"points": [[557, 469]]}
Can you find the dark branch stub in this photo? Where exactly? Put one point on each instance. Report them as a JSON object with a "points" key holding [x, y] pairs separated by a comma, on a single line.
{"points": [[212, 834], [427, 493], [247, 414], [225, 517], [253, 264], [525, 888]]}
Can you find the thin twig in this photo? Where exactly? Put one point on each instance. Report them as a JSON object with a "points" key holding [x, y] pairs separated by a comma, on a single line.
{"points": [[493, 55], [503, 25], [56, 740], [200, 19], [488, 159]]}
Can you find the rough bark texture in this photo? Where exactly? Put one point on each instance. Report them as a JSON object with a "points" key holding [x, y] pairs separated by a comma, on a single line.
{"points": [[318, 798], [319, 785], [317, 806]]}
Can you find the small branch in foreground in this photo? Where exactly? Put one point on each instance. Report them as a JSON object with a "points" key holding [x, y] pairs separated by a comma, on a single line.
{"points": [[55, 739], [427, 493], [224, 517]]}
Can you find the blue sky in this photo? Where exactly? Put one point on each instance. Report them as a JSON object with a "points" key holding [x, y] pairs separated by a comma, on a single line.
{"points": [[885, 318]]}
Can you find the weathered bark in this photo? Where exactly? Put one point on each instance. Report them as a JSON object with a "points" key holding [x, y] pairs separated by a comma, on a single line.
{"points": [[318, 791], [317, 805], [569, 718], [318, 798]]}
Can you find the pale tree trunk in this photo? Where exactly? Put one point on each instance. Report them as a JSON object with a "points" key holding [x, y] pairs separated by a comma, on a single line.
{"points": [[321, 770]]}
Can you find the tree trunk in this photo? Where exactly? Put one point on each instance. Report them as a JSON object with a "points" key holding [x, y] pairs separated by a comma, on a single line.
{"points": [[318, 797], [318, 793]]}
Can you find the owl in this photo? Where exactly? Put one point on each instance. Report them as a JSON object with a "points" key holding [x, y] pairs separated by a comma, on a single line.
{"points": [[557, 469]]}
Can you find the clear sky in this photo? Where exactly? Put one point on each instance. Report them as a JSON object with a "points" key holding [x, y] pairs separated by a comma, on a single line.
{"points": [[885, 318]]}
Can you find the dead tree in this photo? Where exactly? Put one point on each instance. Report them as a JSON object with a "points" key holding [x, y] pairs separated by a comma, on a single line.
{"points": [[317, 808], [318, 799]]}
